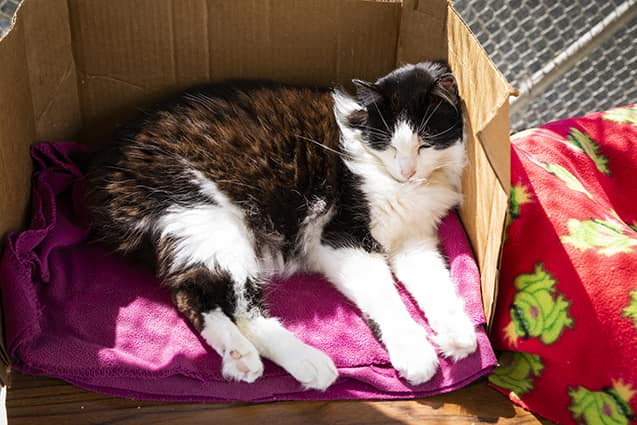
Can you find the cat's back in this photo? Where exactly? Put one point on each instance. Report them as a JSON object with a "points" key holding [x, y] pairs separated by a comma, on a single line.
{"points": [[264, 144], [237, 125]]}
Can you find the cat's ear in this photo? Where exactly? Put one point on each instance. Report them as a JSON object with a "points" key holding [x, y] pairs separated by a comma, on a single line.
{"points": [[366, 92], [446, 87]]}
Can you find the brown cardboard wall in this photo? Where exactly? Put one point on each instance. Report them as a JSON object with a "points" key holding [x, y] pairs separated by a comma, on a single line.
{"points": [[423, 33], [160, 47], [17, 130], [486, 180], [51, 68], [497, 146]]}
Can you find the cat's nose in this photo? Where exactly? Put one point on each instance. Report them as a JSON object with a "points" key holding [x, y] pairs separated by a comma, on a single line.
{"points": [[407, 167], [407, 173]]}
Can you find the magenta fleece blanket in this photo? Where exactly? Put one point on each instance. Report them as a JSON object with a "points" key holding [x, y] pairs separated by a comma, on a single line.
{"points": [[75, 311]]}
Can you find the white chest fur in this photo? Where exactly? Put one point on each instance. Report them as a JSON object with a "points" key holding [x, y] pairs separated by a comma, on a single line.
{"points": [[408, 212]]}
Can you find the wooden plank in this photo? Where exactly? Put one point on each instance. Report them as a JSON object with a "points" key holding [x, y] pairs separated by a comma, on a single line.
{"points": [[50, 401]]}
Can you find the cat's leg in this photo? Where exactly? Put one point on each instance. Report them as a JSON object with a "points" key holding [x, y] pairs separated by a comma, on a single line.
{"points": [[365, 278], [206, 256], [206, 298], [423, 271], [209, 260], [308, 365]]}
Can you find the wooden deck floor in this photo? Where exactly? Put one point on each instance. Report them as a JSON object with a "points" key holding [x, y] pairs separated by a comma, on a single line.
{"points": [[51, 402]]}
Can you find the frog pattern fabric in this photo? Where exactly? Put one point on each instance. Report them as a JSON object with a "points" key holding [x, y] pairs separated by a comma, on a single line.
{"points": [[630, 311], [608, 237], [608, 406], [622, 115], [566, 316], [537, 310], [583, 142], [519, 196], [516, 372]]}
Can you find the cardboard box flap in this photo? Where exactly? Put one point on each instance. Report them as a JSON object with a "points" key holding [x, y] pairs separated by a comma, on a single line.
{"points": [[486, 94], [161, 47], [485, 90], [483, 216]]}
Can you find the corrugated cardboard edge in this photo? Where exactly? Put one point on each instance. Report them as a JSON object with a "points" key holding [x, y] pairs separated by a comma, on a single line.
{"points": [[491, 123], [491, 133], [489, 153]]}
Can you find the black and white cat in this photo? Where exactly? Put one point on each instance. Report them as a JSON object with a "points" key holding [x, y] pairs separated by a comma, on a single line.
{"points": [[236, 182]]}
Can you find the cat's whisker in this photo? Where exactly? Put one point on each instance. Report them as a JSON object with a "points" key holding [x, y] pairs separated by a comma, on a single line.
{"points": [[424, 117], [380, 130], [375, 130], [380, 135], [442, 132], [431, 115], [382, 118], [316, 142]]}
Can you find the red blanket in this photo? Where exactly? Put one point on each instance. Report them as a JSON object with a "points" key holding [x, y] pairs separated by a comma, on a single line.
{"points": [[567, 319]]}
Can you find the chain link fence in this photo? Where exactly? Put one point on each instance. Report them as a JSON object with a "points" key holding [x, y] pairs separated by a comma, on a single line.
{"points": [[606, 78], [522, 36], [7, 9]]}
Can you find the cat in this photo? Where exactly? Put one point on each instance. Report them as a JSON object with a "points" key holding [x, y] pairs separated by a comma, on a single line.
{"points": [[236, 182]]}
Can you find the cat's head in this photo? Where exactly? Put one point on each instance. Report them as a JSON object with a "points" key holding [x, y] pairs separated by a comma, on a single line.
{"points": [[409, 121]]}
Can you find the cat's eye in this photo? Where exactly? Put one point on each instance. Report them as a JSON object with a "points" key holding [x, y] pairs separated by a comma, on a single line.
{"points": [[393, 150], [424, 146]]}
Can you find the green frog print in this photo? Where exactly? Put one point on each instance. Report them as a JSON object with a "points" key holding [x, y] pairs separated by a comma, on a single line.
{"points": [[537, 310]]}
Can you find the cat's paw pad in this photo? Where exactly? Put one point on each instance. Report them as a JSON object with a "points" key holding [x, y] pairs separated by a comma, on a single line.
{"points": [[312, 368], [457, 339], [414, 358], [242, 364]]}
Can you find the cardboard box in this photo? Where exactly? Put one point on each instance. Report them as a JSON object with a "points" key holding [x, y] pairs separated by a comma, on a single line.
{"points": [[72, 69]]}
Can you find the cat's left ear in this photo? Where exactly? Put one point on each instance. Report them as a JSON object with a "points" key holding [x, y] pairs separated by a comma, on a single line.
{"points": [[366, 92], [446, 87]]}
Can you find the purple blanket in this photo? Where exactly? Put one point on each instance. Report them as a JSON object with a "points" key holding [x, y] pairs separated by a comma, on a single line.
{"points": [[77, 312]]}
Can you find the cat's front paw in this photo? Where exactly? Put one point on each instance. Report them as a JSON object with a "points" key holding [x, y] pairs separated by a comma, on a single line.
{"points": [[311, 367], [242, 363], [413, 356], [457, 337]]}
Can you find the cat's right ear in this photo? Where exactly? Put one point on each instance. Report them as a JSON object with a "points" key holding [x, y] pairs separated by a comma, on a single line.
{"points": [[366, 92]]}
